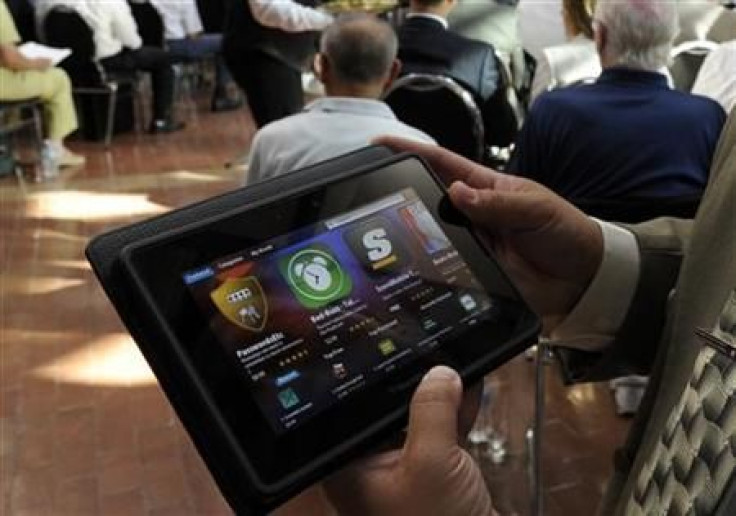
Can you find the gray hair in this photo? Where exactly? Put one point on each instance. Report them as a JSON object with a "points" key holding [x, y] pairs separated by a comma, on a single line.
{"points": [[360, 47], [640, 32]]}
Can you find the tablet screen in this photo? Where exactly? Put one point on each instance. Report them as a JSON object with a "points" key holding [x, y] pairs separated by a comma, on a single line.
{"points": [[315, 315]]}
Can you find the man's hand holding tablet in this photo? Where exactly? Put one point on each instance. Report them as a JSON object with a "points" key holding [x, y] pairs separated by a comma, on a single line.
{"points": [[290, 322]]}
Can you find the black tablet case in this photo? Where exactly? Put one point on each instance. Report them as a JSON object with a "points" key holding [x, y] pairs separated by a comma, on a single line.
{"points": [[104, 251]]}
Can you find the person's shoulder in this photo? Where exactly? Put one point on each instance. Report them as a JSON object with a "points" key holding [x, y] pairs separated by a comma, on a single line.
{"points": [[569, 97], [406, 131], [469, 44], [698, 105], [278, 128]]}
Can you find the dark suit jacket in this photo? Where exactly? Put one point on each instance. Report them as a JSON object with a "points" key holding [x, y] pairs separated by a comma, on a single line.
{"points": [[425, 46]]}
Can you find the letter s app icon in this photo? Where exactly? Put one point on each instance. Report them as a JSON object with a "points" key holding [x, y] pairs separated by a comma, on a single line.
{"points": [[377, 246]]}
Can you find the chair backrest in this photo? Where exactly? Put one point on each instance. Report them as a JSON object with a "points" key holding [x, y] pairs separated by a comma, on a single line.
{"points": [[441, 108], [149, 22], [687, 58], [65, 28], [636, 210]]}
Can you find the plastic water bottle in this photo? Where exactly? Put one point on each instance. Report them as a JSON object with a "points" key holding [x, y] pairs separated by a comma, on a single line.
{"points": [[49, 162]]}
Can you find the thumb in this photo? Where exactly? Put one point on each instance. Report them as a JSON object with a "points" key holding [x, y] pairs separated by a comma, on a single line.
{"points": [[501, 210], [433, 414]]}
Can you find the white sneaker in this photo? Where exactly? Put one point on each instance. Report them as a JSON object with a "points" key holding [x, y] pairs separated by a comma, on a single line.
{"points": [[69, 159]]}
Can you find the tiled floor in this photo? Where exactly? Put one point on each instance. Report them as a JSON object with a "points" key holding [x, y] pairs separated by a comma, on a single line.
{"points": [[86, 430]]}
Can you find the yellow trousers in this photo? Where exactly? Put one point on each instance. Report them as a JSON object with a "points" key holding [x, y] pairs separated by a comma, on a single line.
{"points": [[53, 87]]}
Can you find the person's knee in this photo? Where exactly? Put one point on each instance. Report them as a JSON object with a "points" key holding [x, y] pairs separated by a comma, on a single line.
{"points": [[56, 83], [60, 79]]}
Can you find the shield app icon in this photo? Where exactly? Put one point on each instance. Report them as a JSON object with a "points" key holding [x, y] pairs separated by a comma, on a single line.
{"points": [[242, 302]]}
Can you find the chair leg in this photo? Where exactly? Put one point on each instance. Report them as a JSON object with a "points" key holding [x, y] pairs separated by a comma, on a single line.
{"points": [[112, 99], [534, 434], [38, 125]]}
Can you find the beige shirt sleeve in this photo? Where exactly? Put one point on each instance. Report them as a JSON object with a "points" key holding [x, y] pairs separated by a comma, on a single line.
{"points": [[593, 323], [8, 32]]}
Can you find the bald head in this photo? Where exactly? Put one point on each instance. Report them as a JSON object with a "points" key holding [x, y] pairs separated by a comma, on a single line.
{"points": [[357, 51], [636, 33]]}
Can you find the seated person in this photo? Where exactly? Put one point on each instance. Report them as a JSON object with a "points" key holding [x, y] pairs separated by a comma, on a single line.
{"points": [[572, 61], [186, 41], [628, 134], [356, 63], [717, 76], [22, 78], [119, 48], [427, 46]]}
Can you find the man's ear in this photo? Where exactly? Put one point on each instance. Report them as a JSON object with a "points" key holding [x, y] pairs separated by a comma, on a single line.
{"points": [[392, 74]]}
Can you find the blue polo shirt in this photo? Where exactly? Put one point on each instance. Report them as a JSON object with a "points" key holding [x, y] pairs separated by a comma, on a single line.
{"points": [[626, 135]]}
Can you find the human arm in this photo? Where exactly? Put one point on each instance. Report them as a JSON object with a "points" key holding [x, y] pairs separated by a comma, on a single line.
{"points": [[191, 20], [123, 25], [288, 16], [431, 474], [12, 59]]}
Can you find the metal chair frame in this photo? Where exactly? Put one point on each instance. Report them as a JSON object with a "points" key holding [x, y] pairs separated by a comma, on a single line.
{"points": [[421, 82], [35, 107]]}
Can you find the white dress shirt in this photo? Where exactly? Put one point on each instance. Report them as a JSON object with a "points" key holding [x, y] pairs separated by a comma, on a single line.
{"points": [[565, 64], [327, 128], [540, 25], [288, 15], [111, 22], [180, 17], [435, 17], [717, 76], [593, 323]]}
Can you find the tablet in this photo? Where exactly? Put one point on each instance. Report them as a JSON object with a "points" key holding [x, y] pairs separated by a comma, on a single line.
{"points": [[295, 328]]}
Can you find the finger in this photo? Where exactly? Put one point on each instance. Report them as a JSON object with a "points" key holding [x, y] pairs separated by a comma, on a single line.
{"points": [[433, 414], [352, 489], [449, 166], [501, 210]]}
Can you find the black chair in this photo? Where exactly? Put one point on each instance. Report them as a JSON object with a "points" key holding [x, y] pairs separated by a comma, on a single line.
{"points": [[443, 109], [687, 58], [149, 22], [17, 115], [65, 28]]}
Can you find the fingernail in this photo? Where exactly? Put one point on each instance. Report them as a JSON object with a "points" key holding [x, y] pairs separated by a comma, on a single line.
{"points": [[443, 373], [465, 194]]}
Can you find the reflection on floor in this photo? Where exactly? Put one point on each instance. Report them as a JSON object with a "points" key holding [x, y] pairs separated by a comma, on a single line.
{"points": [[85, 428]]}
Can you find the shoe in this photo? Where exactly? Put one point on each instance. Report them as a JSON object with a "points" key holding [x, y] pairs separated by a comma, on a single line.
{"points": [[163, 126], [221, 104], [69, 159]]}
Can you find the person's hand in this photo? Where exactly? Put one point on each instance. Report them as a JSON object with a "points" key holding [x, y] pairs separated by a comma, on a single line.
{"points": [[431, 475], [550, 248], [41, 63]]}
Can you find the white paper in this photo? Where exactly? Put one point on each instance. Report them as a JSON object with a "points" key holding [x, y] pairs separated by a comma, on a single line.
{"points": [[33, 50]]}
